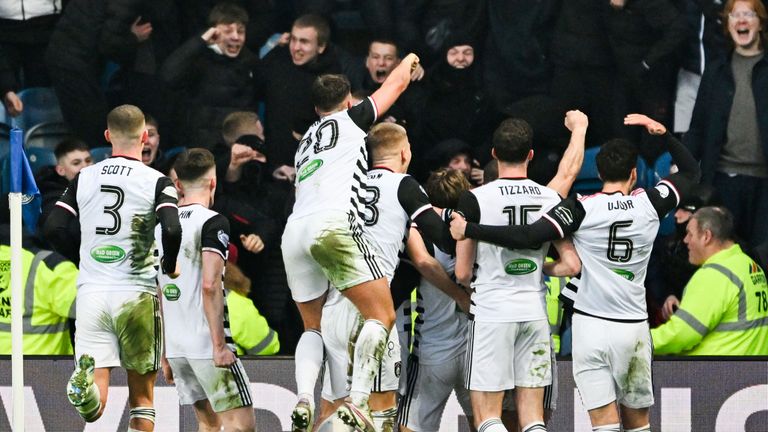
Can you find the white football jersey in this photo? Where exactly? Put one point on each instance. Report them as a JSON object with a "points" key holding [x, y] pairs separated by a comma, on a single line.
{"points": [[614, 242], [389, 197], [115, 201], [186, 327], [508, 285], [441, 327], [332, 162]]}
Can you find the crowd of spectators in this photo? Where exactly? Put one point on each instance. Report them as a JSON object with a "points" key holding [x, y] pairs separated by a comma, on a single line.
{"points": [[234, 77]]}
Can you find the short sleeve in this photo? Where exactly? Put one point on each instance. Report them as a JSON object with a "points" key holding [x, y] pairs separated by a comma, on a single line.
{"points": [[412, 197], [215, 235], [469, 207], [165, 194], [364, 114], [68, 199]]}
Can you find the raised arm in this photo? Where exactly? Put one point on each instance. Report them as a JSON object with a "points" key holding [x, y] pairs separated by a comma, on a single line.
{"points": [[573, 157], [431, 270], [395, 84]]}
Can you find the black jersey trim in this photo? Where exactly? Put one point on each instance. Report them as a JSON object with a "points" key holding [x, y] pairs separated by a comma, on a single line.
{"points": [[626, 321]]}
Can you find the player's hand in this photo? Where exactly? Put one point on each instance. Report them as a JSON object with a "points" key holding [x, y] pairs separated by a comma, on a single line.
{"points": [[417, 73], [252, 243], [412, 60], [464, 302], [576, 120], [167, 371], [670, 306], [13, 104], [285, 38], [223, 357], [285, 172], [141, 31], [476, 175], [210, 36], [458, 226], [652, 126]]}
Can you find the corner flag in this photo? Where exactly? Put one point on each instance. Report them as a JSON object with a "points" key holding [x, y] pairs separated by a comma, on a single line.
{"points": [[22, 181]]}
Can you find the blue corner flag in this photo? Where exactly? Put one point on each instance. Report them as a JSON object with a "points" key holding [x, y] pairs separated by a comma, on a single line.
{"points": [[22, 181]]}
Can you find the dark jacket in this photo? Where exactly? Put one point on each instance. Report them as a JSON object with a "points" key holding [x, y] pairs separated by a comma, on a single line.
{"points": [[213, 85], [91, 32], [580, 38], [286, 91], [710, 38], [649, 31], [709, 123]]}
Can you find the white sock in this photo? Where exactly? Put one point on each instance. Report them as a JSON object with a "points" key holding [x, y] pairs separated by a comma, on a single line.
{"points": [[493, 424], [385, 420], [537, 426], [144, 413], [309, 361], [646, 428], [607, 428], [369, 349]]}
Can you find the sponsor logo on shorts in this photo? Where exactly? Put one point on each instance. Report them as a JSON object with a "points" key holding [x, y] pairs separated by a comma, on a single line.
{"points": [[108, 254], [628, 275], [171, 292], [520, 266], [310, 169]]}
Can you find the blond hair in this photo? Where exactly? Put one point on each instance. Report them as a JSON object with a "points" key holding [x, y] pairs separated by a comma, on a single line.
{"points": [[125, 123], [385, 139], [236, 280], [235, 122]]}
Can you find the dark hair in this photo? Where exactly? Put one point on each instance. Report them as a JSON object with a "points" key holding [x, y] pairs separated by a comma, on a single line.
{"points": [[318, 23], [69, 145], [444, 187], [718, 220], [192, 164], [616, 159], [151, 120], [328, 91], [513, 140], [227, 13], [385, 41], [490, 171]]}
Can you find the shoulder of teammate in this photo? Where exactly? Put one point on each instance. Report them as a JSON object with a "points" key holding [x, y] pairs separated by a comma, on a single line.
{"points": [[566, 216], [364, 114], [469, 207], [165, 193], [68, 199], [667, 194], [412, 197], [214, 236]]}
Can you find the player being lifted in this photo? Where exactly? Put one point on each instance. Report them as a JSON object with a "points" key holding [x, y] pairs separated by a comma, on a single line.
{"points": [[393, 199], [199, 350], [323, 242], [118, 202], [509, 341], [613, 232]]}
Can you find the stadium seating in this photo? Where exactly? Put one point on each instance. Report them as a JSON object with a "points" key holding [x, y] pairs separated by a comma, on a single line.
{"points": [[40, 106], [588, 181], [98, 154], [172, 152], [47, 135], [5, 139], [40, 157]]}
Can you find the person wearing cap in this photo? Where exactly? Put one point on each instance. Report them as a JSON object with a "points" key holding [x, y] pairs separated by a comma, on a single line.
{"points": [[724, 310], [669, 269], [454, 153]]}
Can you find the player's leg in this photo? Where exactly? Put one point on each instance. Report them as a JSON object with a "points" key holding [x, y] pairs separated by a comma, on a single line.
{"points": [[636, 419], [309, 287], [207, 420], [141, 392], [238, 419], [228, 390], [533, 371], [96, 351], [593, 376], [632, 355], [486, 407], [383, 401]]}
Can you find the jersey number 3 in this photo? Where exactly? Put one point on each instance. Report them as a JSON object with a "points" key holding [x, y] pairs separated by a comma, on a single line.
{"points": [[112, 210]]}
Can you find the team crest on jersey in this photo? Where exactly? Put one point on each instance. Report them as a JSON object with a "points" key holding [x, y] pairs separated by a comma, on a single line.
{"points": [[171, 292], [310, 169], [223, 238], [519, 267], [663, 190], [108, 254]]}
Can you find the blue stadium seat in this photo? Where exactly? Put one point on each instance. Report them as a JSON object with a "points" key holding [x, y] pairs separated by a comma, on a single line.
{"points": [[40, 106], [98, 154], [5, 139], [40, 157], [588, 181], [172, 152], [659, 170], [47, 135]]}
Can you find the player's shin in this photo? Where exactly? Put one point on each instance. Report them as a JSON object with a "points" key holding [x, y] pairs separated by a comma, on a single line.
{"points": [[369, 349]]}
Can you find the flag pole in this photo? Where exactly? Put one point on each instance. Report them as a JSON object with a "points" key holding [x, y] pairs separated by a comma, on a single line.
{"points": [[17, 335]]}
